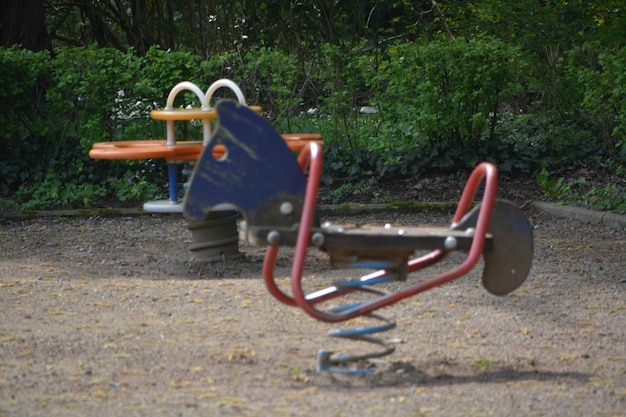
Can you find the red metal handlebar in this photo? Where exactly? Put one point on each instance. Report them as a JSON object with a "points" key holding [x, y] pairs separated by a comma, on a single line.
{"points": [[310, 157]]}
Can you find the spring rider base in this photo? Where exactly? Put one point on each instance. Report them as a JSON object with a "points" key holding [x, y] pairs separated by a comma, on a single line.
{"points": [[215, 239]]}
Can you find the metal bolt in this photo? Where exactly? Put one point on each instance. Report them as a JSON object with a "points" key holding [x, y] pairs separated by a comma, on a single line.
{"points": [[317, 239], [286, 208], [387, 226], [400, 232], [470, 231], [273, 238], [450, 242]]}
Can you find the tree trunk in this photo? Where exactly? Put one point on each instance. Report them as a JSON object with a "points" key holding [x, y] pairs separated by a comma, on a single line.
{"points": [[22, 23]]}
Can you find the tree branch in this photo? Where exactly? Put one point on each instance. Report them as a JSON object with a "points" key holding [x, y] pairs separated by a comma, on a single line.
{"points": [[443, 19]]}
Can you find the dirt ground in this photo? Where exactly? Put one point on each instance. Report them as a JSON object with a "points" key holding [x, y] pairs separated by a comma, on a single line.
{"points": [[107, 317]]}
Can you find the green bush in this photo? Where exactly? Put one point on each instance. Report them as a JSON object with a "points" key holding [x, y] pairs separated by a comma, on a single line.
{"points": [[58, 108], [610, 197], [444, 99], [24, 130], [434, 108], [603, 81], [135, 187], [87, 91], [276, 77]]}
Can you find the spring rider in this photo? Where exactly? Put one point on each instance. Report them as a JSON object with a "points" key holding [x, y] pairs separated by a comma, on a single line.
{"points": [[258, 175], [215, 238]]}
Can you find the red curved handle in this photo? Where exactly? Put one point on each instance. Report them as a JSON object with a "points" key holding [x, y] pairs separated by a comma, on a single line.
{"points": [[311, 157]]}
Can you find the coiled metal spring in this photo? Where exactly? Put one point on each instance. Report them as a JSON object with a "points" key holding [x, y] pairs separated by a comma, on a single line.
{"points": [[351, 364]]}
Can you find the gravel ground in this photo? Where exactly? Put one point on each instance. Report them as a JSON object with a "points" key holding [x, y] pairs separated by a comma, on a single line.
{"points": [[107, 317]]}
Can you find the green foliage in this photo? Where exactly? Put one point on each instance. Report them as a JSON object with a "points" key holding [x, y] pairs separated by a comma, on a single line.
{"points": [[444, 99], [611, 197], [24, 131], [603, 82], [52, 192], [530, 142], [483, 363], [91, 95], [135, 188], [523, 143], [277, 77], [90, 89], [559, 187], [7, 204], [545, 90], [160, 70]]}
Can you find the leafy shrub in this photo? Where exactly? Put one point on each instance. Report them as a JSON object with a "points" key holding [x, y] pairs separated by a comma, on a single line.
{"points": [[53, 192], [603, 82], [60, 107], [436, 107], [135, 187], [444, 99], [611, 197], [24, 132], [529, 142], [84, 96]]}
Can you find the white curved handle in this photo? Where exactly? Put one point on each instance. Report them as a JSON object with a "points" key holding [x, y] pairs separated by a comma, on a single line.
{"points": [[186, 85], [224, 82], [204, 100]]}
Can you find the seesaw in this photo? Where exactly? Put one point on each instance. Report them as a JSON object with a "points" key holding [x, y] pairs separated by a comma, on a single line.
{"points": [[259, 176], [215, 238]]}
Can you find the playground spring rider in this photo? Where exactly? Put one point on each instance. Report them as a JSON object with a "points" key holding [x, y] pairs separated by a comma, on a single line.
{"points": [[215, 238], [260, 176]]}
